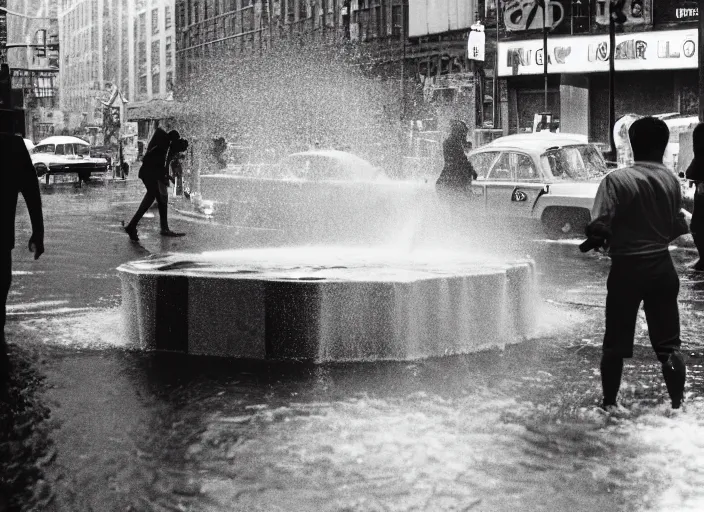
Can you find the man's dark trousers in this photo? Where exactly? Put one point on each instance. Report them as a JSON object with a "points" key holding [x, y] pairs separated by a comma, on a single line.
{"points": [[153, 194]]}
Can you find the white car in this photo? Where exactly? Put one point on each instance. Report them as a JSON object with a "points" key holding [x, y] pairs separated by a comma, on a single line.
{"points": [[65, 155], [328, 165], [548, 178]]}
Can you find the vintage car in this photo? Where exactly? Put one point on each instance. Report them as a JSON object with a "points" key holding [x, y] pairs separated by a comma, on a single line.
{"points": [[547, 178], [328, 165], [66, 155]]}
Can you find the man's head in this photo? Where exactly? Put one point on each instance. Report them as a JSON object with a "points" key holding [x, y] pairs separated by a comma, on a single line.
{"points": [[649, 137], [174, 136]]}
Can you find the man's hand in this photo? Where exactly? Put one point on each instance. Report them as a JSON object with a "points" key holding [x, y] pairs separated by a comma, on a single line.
{"points": [[36, 244]]}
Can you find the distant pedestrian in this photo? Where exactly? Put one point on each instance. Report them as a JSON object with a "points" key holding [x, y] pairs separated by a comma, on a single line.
{"points": [[457, 173], [637, 213], [19, 177], [155, 176], [695, 173]]}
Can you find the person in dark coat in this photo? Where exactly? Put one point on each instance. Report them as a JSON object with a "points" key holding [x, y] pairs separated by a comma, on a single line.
{"points": [[154, 173], [695, 173], [19, 178], [458, 173]]}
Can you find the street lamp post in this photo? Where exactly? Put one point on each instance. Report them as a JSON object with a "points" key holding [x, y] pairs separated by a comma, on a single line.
{"points": [[545, 55]]}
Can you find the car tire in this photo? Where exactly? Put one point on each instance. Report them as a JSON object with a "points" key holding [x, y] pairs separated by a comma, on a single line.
{"points": [[565, 222]]}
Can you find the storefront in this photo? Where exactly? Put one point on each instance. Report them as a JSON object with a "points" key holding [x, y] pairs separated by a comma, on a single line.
{"points": [[655, 73]]}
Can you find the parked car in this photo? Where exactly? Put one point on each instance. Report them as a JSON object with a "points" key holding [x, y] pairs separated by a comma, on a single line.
{"points": [[66, 155], [328, 165], [547, 178]]}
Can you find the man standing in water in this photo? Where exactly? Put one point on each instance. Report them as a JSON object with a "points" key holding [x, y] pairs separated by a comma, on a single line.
{"points": [[695, 173], [19, 177], [637, 213]]}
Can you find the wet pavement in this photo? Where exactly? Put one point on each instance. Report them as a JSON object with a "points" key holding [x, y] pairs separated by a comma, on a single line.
{"points": [[518, 429]]}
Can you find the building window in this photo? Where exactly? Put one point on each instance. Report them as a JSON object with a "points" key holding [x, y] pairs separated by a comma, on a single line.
{"points": [[397, 18], [142, 85], [155, 83], [169, 57], [155, 21], [167, 17], [156, 50], [169, 81]]}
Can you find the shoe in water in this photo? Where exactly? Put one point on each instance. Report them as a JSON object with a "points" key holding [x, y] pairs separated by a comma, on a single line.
{"points": [[132, 232], [170, 233]]}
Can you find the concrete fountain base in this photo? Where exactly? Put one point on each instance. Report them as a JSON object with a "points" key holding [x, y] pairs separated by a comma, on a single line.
{"points": [[327, 304]]}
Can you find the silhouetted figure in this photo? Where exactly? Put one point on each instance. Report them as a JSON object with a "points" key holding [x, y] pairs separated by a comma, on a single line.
{"points": [[154, 173], [637, 213], [18, 177], [695, 173], [457, 173], [219, 148]]}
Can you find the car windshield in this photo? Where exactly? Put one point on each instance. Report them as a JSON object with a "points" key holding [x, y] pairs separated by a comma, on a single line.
{"points": [[44, 148], [312, 167], [576, 163]]}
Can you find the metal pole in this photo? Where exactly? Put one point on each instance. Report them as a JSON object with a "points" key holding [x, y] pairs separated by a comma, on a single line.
{"points": [[403, 60], [612, 108], [495, 88], [545, 54], [701, 61]]}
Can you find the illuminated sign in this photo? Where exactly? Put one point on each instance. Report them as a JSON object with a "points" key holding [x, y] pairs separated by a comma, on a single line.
{"points": [[672, 49]]}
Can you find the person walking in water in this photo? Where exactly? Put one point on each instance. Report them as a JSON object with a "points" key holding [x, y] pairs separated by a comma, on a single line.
{"points": [[457, 173], [19, 178], [636, 214], [154, 173], [695, 173]]}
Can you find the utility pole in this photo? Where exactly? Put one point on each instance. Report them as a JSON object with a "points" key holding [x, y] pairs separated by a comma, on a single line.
{"points": [[701, 60], [545, 4], [616, 15], [404, 5], [612, 104]]}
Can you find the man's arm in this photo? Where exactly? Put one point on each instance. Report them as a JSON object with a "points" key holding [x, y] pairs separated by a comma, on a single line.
{"points": [[603, 211], [680, 224], [29, 186]]}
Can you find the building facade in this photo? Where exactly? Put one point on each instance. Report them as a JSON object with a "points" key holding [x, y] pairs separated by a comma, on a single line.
{"points": [[94, 61], [33, 56], [656, 62]]}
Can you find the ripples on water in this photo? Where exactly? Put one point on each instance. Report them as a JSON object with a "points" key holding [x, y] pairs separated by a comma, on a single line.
{"points": [[510, 430], [499, 431]]}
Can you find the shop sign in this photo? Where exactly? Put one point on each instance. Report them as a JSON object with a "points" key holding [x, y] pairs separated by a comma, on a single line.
{"points": [[676, 11], [638, 12], [476, 42], [673, 49]]}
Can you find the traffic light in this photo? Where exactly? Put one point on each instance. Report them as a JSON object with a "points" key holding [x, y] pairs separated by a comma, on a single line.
{"points": [[5, 87], [616, 8]]}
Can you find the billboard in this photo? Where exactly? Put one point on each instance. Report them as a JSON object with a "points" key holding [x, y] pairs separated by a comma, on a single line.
{"points": [[426, 17], [634, 51]]}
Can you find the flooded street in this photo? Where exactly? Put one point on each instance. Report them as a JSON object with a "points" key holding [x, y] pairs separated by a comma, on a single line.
{"points": [[518, 429]]}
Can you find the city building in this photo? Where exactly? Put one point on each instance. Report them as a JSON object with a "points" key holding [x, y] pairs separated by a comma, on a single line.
{"points": [[94, 62], [152, 54], [33, 57], [656, 62]]}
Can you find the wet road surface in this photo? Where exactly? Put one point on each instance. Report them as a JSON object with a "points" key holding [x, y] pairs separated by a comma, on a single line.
{"points": [[517, 429]]}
